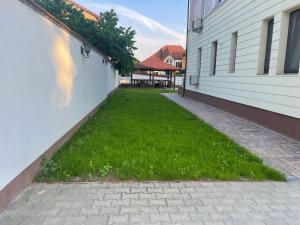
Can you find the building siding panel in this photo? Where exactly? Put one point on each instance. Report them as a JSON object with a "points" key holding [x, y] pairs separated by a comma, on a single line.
{"points": [[274, 92]]}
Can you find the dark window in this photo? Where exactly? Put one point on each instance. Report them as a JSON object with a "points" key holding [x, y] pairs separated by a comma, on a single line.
{"points": [[233, 49], [199, 61], [269, 46], [179, 64], [293, 45], [214, 57]]}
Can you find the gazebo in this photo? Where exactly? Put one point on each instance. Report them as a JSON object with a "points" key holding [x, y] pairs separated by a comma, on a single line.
{"points": [[151, 65]]}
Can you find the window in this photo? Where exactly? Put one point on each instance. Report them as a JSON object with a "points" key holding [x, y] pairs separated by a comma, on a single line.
{"points": [[179, 64], [233, 52], [199, 62], [268, 46], [209, 5], [266, 40], [169, 61], [293, 44], [213, 59]]}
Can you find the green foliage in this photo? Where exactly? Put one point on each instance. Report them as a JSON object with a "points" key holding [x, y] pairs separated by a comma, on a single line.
{"points": [[141, 135], [51, 171], [105, 170], [115, 41]]}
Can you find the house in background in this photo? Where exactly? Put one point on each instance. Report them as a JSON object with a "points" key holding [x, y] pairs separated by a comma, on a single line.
{"points": [[184, 61], [160, 67], [169, 56], [243, 57], [172, 55], [88, 14]]}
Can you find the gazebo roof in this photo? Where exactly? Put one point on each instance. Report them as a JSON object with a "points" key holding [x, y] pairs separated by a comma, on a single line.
{"points": [[154, 63]]}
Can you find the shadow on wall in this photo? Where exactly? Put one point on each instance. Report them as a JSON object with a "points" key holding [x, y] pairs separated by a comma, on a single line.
{"points": [[65, 70]]}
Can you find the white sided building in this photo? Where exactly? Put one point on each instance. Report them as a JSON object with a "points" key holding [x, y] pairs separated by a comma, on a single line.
{"points": [[243, 57]]}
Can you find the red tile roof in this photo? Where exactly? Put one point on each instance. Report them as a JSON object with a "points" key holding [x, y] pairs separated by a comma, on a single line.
{"points": [[175, 51], [155, 63]]}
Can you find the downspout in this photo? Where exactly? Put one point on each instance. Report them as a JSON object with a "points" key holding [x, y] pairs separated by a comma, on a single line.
{"points": [[186, 48]]}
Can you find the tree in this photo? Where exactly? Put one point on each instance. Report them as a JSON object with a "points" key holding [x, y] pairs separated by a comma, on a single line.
{"points": [[115, 41]]}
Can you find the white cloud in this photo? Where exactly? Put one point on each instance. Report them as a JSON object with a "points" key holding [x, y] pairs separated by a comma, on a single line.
{"points": [[151, 35]]}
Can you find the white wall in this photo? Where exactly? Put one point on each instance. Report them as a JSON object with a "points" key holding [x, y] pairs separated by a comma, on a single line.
{"points": [[276, 91], [46, 86]]}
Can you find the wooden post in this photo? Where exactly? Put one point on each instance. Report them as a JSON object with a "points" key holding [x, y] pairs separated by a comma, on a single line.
{"points": [[170, 79], [174, 87], [153, 77]]}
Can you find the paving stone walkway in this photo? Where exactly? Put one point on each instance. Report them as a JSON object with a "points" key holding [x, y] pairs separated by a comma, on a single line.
{"points": [[276, 150], [154, 203]]}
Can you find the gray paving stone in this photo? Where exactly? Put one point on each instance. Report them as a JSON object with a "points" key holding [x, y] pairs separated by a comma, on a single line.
{"points": [[138, 190], [96, 220], [110, 211], [147, 196], [129, 210], [154, 218], [75, 220], [168, 209], [215, 203], [154, 190], [130, 196], [155, 202], [89, 211], [192, 223], [164, 196], [122, 202], [112, 196], [123, 190], [187, 209], [124, 219], [139, 219], [54, 221], [161, 184], [175, 202], [148, 210], [102, 203], [180, 217], [201, 217], [30, 220], [10, 220], [65, 212], [139, 202]]}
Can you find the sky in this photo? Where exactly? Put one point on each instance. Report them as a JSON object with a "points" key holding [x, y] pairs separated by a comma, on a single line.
{"points": [[157, 22]]}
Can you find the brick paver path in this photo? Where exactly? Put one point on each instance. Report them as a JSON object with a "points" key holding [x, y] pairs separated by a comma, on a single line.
{"points": [[173, 203], [276, 150]]}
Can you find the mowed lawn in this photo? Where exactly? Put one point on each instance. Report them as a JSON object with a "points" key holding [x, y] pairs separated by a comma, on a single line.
{"points": [[141, 135]]}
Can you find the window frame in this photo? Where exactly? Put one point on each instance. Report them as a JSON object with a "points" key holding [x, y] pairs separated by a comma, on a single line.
{"points": [[178, 64], [289, 45], [233, 51], [213, 59], [199, 61], [268, 46]]}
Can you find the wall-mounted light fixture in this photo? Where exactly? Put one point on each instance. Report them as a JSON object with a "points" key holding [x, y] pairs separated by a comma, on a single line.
{"points": [[105, 60], [85, 50]]}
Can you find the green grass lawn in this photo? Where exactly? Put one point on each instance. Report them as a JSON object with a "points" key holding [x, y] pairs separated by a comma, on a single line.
{"points": [[141, 135]]}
